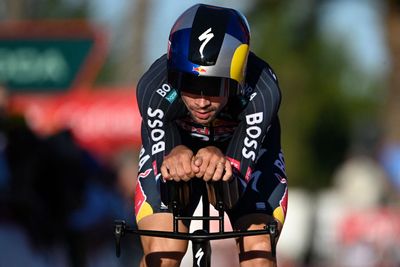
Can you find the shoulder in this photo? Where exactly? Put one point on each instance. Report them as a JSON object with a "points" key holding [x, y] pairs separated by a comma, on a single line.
{"points": [[154, 76], [154, 93], [148, 84], [257, 69], [261, 87]]}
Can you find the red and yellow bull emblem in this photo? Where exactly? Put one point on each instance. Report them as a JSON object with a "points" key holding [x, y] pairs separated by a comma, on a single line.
{"points": [[142, 207], [199, 69]]}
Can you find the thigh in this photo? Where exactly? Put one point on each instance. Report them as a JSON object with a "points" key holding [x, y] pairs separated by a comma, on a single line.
{"points": [[161, 222], [267, 192], [152, 194]]}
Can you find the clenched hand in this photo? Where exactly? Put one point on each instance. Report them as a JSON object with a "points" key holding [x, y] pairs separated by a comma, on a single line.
{"points": [[210, 164], [177, 165]]}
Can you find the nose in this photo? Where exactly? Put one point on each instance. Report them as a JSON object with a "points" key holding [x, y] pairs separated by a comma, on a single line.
{"points": [[203, 102]]}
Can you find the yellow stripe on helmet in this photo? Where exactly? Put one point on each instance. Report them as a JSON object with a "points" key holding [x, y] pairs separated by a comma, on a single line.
{"points": [[238, 63]]}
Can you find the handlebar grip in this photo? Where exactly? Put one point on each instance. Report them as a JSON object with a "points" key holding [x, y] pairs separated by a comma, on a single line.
{"points": [[178, 192], [227, 192]]}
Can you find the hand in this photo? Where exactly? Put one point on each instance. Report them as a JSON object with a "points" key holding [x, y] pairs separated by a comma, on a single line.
{"points": [[210, 164], [177, 165]]}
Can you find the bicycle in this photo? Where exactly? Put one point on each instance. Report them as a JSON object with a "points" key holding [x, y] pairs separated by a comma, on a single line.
{"points": [[221, 195]]}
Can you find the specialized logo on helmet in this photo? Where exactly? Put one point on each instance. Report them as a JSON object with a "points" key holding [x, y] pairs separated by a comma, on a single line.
{"points": [[206, 37]]}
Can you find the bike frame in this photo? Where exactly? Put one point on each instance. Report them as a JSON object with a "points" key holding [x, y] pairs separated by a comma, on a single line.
{"points": [[201, 238]]}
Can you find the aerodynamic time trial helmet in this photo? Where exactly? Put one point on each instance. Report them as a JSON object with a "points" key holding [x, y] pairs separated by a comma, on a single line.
{"points": [[207, 51]]}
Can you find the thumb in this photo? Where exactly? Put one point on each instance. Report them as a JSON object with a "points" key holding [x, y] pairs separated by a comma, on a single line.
{"points": [[198, 161]]}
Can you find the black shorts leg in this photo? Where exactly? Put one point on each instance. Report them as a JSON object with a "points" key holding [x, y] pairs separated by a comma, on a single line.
{"points": [[151, 187], [267, 190]]}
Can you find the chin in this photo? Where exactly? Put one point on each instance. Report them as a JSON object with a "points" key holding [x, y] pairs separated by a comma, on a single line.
{"points": [[203, 121]]}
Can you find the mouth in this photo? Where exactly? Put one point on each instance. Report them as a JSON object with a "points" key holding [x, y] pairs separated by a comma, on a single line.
{"points": [[202, 115]]}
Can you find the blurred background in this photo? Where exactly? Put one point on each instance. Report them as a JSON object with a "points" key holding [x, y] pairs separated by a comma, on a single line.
{"points": [[69, 136]]}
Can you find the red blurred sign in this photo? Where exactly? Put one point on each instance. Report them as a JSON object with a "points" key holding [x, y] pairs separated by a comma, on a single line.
{"points": [[103, 121], [376, 226]]}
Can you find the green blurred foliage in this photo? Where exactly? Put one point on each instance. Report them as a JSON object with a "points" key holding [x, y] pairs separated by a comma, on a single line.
{"points": [[45, 9], [319, 112]]}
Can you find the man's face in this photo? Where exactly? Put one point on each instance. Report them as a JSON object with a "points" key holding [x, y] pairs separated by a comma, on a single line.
{"points": [[203, 109]]}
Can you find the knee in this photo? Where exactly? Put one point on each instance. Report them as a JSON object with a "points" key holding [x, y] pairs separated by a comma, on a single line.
{"points": [[164, 245], [163, 252], [256, 243], [162, 259], [256, 251]]}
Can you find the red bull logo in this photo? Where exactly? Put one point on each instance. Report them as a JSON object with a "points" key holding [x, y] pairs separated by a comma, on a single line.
{"points": [[144, 174], [142, 207], [199, 69], [140, 197]]}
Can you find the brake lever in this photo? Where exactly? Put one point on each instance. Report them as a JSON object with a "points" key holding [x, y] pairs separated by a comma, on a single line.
{"points": [[273, 233], [119, 232]]}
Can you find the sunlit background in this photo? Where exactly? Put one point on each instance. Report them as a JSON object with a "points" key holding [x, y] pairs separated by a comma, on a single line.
{"points": [[69, 139]]}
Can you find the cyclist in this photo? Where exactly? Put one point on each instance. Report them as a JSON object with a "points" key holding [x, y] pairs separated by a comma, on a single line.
{"points": [[209, 112]]}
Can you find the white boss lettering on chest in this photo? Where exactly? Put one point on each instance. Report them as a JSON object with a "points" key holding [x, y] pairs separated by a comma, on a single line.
{"points": [[253, 131], [165, 88], [156, 134]]}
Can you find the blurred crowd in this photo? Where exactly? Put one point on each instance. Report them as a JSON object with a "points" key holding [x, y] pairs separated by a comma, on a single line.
{"points": [[58, 202], [353, 223]]}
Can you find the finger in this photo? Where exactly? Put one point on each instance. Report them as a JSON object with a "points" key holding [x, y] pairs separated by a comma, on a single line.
{"points": [[180, 171], [210, 170], [198, 161], [173, 172], [195, 168], [184, 171], [203, 169], [164, 172], [219, 170], [228, 171], [187, 167], [176, 179], [200, 172], [208, 175]]}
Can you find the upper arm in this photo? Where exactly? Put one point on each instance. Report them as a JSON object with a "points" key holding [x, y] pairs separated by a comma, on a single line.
{"points": [[264, 98], [159, 106]]}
